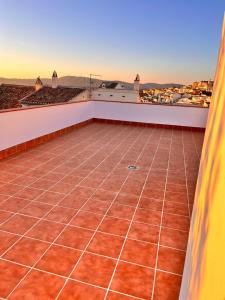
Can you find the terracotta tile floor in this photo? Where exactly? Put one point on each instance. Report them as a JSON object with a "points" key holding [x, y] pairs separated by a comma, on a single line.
{"points": [[77, 224]]}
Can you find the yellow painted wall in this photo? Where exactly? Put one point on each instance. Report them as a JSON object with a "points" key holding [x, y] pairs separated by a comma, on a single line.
{"points": [[204, 274]]}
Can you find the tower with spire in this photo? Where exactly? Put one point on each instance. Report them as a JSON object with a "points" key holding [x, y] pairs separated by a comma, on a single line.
{"points": [[137, 83], [54, 80], [38, 84]]}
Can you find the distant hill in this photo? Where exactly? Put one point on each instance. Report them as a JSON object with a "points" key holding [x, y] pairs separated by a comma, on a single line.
{"points": [[160, 85], [75, 81]]}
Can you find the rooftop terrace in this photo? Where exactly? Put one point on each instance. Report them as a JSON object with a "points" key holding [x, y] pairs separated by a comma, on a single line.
{"points": [[76, 223]]}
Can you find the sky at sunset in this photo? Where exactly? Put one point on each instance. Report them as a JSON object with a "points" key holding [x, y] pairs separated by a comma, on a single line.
{"points": [[163, 41]]}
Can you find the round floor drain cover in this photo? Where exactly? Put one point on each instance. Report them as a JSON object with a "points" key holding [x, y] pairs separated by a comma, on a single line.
{"points": [[132, 167]]}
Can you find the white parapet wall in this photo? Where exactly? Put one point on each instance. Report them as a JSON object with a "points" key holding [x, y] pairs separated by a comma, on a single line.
{"points": [[118, 95], [150, 113], [19, 126]]}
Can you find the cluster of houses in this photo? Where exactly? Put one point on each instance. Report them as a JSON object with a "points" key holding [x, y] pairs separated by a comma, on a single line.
{"points": [[14, 96], [198, 94]]}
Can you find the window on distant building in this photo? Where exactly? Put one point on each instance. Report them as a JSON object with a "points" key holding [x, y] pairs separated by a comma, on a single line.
{"points": [[99, 94], [111, 95], [124, 96]]}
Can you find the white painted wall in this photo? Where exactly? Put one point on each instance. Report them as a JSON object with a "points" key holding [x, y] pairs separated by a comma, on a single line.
{"points": [[148, 113], [115, 95], [23, 125], [83, 96]]}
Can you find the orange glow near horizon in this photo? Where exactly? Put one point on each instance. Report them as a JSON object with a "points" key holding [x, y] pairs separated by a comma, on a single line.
{"points": [[28, 67]]}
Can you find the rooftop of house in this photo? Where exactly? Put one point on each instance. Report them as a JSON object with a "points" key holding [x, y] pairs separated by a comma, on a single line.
{"points": [[49, 95], [109, 84], [75, 220], [10, 95]]}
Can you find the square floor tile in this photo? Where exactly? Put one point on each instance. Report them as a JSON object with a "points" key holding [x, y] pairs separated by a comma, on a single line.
{"points": [[127, 199], [26, 251], [29, 193], [10, 276], [7, 240], [141, 253], [36, 209], [176, 197], [96, 206], [92, 181], [45, 231], [61, 187], [61, 214], [121, 211], [176, 222], [82, 193], [59, 260], [148, 216], [113, 183], [174, 238], [103, 195], [50, 197], [63, 168], [42, 184], [4, 215], [7, 177], [71, 201], [87, 220], [70, 179], [171, 260], [144, 232], [117, 296], [18, 224], [150, 204], [38, 285], [176, 208], [106, 244], [114, 226], [75, 237], [14, 204], [167, 286], [99, 268], [81, 291], [178, 188], [153, 193], [133, 280], [53, 176], [132, 187], [10, 189], [3, 197]]}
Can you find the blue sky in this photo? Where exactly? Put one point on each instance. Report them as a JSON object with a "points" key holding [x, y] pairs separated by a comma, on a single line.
{"points": [[163, 41]]}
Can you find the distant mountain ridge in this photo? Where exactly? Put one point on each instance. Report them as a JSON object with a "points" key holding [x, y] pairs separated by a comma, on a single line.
{"points": [[76, 81]]}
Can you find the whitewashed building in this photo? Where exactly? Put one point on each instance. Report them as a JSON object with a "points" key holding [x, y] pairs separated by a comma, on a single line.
{"points": [[116, 91]]}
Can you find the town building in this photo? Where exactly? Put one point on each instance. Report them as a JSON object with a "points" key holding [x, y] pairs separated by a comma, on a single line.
{"points": [[116, 91], [53, 94]]}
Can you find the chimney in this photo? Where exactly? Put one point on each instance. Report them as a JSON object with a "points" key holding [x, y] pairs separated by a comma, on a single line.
{"points": [[38, 84], [137, 83], [54, 80]]}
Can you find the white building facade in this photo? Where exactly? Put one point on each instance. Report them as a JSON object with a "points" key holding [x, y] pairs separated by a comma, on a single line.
{"points": [[116, 91]]}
